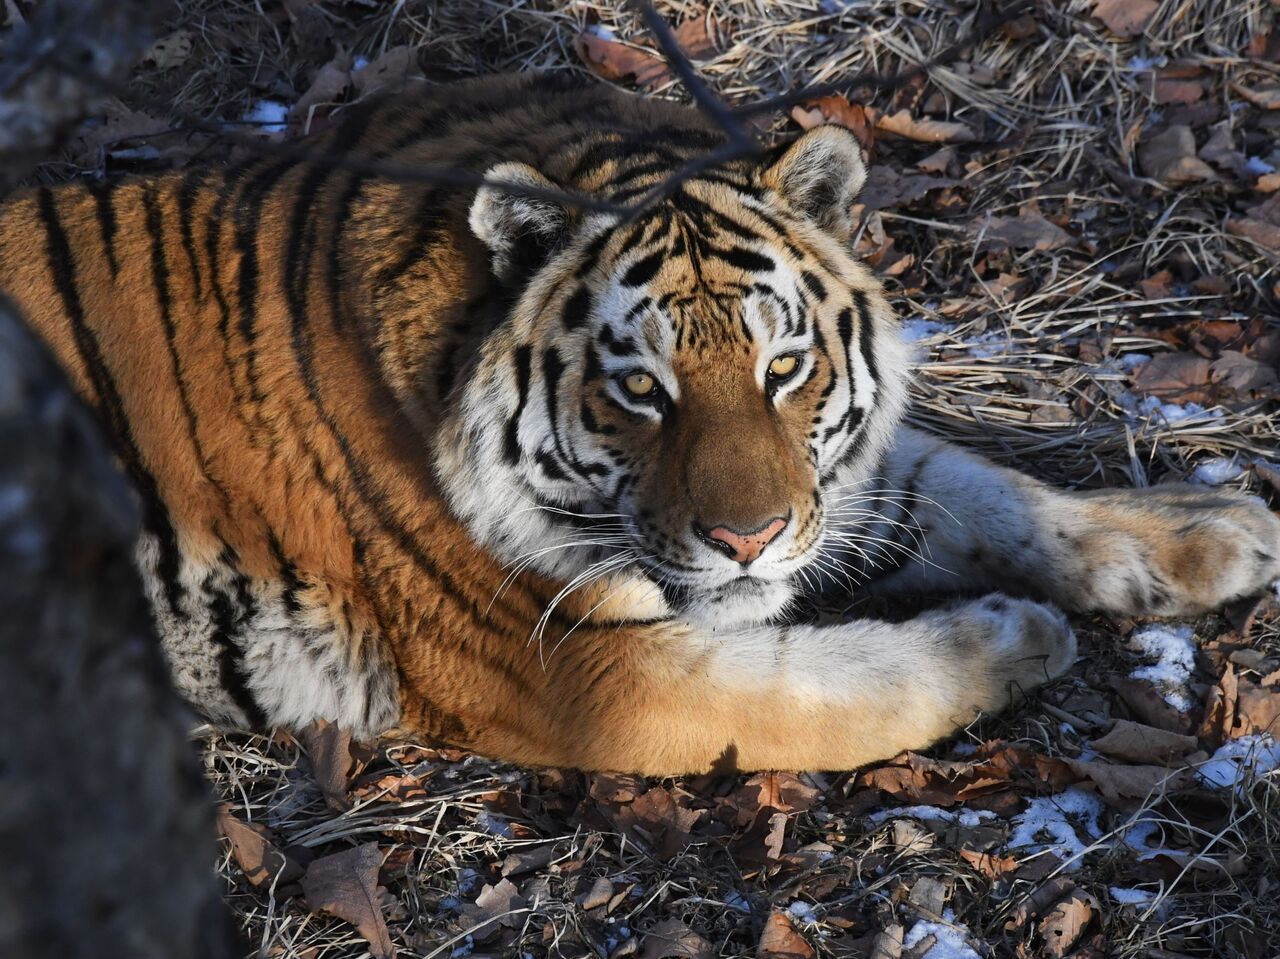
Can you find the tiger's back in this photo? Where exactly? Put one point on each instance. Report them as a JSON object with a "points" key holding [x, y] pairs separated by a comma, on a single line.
{"points": [[268, 344]]}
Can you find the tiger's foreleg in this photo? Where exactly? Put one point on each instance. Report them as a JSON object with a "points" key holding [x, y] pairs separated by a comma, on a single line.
{"points": [[667, 698], [944, 520]]}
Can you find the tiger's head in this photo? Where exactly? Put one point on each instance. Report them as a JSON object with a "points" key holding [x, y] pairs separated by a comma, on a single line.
{"points": [[688, 388]]}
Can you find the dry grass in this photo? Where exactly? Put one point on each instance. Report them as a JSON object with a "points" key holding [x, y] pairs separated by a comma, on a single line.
{"points": [[1058, 114]]}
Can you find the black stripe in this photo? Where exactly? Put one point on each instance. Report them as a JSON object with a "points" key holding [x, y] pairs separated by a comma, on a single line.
{"points": [[866, 330], [155, 517], [102, 196], [192, 183], [576, 309], [160, 276], [746, 260], [643, 270], [524, 359], [814, 284]]}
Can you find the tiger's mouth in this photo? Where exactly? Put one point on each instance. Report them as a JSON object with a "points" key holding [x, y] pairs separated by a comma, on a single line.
{"points": [[744, 600]]}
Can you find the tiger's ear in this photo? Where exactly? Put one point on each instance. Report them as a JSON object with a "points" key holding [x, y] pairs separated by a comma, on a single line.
{"points": [[820, 175], [520, 231]]}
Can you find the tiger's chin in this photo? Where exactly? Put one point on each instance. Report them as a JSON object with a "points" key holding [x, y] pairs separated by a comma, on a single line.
{"points": [[745, 601]]}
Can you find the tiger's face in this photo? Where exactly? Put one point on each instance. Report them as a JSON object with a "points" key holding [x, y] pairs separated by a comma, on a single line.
{"points": [[691, 386]]}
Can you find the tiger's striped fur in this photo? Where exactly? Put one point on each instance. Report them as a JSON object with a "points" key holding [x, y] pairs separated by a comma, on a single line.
{"points": [[392, 475]]}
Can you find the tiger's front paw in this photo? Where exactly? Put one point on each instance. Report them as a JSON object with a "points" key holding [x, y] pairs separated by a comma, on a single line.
{"points": [[1211, 547], [1017, 644]]}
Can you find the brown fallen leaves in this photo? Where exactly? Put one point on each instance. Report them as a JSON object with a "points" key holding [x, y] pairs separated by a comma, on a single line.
{"points": [[698, 37], [1125, 18], [345, 885]]}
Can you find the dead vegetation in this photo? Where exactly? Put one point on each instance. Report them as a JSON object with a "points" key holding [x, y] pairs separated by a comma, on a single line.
{"points": [[1077, 218]]}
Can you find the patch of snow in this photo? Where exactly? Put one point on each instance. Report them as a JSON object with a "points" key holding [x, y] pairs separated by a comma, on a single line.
{"points": [[1216, 471], [469, 881], [735, 901], [1258, 166], [1131, 361], [1174, 652], [988, 345], [464, 948], [1131, 897], [359, 63], [600, 30], [494, 825], [950, 938], [801, 911], [1057, 817], [1143, 64], [268, 115], [1240, 760], [914, 330], [963, 750], [965, 817], [1152, 407]]}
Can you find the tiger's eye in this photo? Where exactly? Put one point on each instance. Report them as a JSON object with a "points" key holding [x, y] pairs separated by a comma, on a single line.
{"points": [[784, 366], [638, 384]]}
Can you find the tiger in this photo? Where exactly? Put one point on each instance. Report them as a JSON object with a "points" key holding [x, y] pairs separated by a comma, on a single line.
{"points": [[513, 461]]}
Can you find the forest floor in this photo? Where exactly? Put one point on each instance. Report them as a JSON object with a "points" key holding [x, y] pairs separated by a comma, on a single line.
{"points": [[1075, 218]]}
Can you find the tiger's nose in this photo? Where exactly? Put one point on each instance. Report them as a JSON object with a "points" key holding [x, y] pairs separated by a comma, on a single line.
{"points": [[743, 548]]}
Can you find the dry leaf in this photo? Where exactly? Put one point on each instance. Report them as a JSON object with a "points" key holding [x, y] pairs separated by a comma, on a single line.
{"points": [[327, 87], [1026, 231], [345, 885], [1220, 150], [1125, 18], [258, 858], [672, 939], [1176, 91], [1170, 157], [1266, 98], [888, 943], [779, 940], [1064, 922], [618, 62], [171, 50], [646, 68], [391, 71], [1139, 743], [1149, 705], [1264, 234], [1257, 709], [497, 905], [658, 820], [1242, 375], [1183, 377], [991, 866], [329, 748], [837, 110], [697, 36], [924, 130], [1156, 287], [1118, 782], [939, 161]]}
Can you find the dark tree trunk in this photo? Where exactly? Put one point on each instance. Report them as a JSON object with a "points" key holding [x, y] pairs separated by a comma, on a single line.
{"points": [[106, 828]]}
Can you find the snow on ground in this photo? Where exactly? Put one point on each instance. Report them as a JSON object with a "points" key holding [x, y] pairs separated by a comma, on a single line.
{"points": [[951, 938], [965, 817], [1057, 817], [1173, 649], [1216, 471], [915, 329], [1131, 897], [268, 115], [1241, 760], [1155, 409]]}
